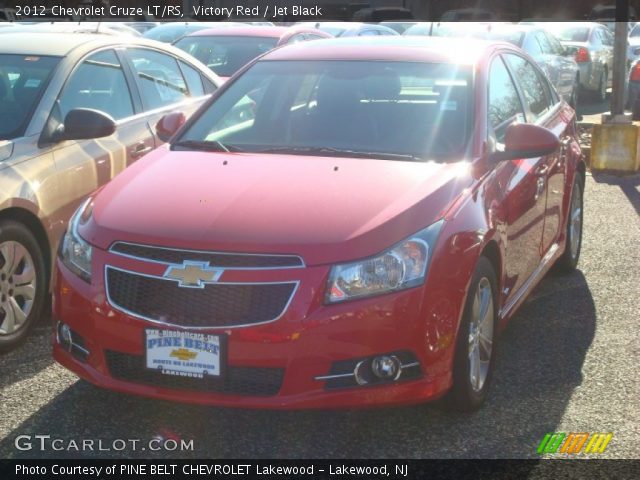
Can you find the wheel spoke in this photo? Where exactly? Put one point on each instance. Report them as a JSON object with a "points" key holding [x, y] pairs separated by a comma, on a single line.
{"points": [[27, 291], [7, 251], [485, 344], [26, 277], [476, 369], [18, 315]]}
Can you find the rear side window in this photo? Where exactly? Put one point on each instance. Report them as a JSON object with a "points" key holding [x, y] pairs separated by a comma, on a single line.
{"points": [[194, 80], [99, 83], [537, 95], [158, 77], [505, 107]]}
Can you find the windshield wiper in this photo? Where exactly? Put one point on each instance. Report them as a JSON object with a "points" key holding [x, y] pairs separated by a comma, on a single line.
{"points": [[205, 146], [338, 152]]}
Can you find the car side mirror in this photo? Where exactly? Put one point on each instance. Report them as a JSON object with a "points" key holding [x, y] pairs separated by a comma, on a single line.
{"points": [[168, 125], [524, 140], [84, 124]]}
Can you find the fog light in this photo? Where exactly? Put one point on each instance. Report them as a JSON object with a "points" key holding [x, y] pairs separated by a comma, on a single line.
{"points": [[386, 367]]}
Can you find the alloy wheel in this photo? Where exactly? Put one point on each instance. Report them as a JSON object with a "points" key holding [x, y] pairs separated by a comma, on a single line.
{"points": [[481, 335], [17, 286]]}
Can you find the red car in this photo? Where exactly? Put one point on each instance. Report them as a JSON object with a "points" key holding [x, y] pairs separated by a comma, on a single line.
{"points": [[358, 241], [226, 50]]}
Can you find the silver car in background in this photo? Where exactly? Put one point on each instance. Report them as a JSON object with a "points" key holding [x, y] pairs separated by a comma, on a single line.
{"points": [[592, 47], [554, 60]]}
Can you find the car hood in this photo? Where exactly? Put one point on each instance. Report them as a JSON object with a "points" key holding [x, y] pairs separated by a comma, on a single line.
{"points": [[324, 209]]}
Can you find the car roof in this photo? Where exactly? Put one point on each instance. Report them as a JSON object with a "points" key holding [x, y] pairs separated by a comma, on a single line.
{"points": [[243, 31], [387, 48], [62, 44]]}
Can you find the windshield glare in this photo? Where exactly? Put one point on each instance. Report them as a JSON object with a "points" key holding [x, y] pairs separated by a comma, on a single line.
{"points": [[22, 81], [226, 55], [397, 108]]}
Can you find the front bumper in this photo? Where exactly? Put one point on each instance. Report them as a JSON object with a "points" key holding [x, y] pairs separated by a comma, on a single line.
{"points": [[309, 341]]}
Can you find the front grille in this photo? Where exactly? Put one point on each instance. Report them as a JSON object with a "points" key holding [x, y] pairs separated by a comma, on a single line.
{"points": [[216, 259], [250, 381], [215, 305]]}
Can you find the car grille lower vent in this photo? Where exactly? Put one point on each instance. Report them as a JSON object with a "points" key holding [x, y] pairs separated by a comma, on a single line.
{"points": [[250, 381]]}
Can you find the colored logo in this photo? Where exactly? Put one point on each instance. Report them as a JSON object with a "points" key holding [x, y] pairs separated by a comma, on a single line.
{"points": [[193, 274], [183, 354], [574, 443]]}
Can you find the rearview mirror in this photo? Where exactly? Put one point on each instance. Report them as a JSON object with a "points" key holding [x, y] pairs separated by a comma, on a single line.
{"points": [[524, 140], [168, 125], [84, 124]]}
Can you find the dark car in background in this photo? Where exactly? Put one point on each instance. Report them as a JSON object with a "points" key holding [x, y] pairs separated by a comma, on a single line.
{"points": [[75, 110], [227, 50]]}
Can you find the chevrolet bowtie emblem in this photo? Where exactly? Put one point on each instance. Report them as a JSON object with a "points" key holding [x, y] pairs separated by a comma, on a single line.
{"points": [[183, 354], [193, 274]]}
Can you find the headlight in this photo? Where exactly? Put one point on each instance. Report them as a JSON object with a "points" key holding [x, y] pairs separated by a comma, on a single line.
{"points": [[75, 253], [402, 266]]}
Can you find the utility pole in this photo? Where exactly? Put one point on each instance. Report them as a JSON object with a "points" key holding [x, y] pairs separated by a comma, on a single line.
{"points": [[620, 59]]}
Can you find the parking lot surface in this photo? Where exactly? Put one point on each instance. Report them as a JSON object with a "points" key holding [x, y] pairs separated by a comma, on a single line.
{"points": [[566, 363]]}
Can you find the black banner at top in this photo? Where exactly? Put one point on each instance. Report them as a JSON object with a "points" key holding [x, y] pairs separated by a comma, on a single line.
{"points": [[321, 10]]}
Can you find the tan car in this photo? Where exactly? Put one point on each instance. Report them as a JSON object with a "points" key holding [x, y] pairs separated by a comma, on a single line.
{"points": [[75, 110]]}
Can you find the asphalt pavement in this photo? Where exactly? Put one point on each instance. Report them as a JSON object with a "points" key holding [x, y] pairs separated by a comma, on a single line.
{"points": [[567, 362]]}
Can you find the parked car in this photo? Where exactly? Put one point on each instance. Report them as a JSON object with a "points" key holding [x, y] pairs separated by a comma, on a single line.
{"points": [[381, 14], [557, 63], [633, 53], [359, 241], [349, 29], [399, 26], [227, 50], [170, 32], [592, 44], [75, 109], [8, 15], [633, 90], [468, 15]]}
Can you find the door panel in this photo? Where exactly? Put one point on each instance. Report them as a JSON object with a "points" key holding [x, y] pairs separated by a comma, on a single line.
{"points": [[524, 202], [82, 166]]}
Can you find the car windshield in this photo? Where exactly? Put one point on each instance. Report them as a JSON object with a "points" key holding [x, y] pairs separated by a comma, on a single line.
{"points": [[225, 55], [23, 78], [571, 34], [636, 31], [374, 109]]}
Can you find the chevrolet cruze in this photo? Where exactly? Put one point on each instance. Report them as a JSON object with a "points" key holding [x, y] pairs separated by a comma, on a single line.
{"points": [[358, 237]]}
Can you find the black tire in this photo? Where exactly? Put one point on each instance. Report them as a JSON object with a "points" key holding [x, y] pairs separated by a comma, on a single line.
{"points": [[568, 262], [11, 231], [462, 395], [575, 95]]}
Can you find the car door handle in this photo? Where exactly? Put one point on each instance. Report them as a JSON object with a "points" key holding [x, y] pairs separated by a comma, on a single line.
{"points": [[139, 150]]}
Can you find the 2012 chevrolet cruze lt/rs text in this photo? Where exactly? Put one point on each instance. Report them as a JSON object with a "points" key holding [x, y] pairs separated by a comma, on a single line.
{"points": [[356, 237]]}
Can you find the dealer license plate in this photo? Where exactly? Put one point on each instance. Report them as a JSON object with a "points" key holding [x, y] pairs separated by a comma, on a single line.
{"points": [[184, 354]]}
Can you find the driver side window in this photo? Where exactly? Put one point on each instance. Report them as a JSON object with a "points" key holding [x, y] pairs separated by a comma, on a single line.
{"points": [[505, 107], [98, 83]]}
